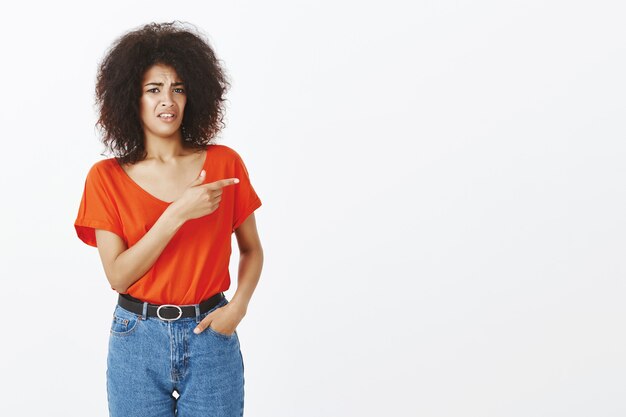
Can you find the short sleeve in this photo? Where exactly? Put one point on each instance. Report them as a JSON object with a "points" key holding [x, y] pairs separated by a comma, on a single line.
{"points": [[96, 210], [246, 198]]}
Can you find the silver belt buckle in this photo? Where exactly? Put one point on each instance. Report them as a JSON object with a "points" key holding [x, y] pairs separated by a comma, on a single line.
{"points": [[180, 311]]}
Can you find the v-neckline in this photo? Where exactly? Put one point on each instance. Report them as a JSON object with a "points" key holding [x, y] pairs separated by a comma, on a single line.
{"points": [[141, 189]]}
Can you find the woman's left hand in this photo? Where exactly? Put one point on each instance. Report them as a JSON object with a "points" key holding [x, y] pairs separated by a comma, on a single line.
{"points": [[223, 320]]}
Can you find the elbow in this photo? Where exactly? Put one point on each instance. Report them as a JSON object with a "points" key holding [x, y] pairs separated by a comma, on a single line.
{"points": [[118, 281], [117, 284], [121, 290], [256, 250], [254, 256]]}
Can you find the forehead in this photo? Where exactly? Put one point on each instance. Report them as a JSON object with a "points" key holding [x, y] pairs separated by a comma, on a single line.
{"points": [[160, 72]]}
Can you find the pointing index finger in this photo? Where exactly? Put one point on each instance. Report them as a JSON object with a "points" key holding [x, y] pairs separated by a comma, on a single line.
{"points": [[216, 185]]}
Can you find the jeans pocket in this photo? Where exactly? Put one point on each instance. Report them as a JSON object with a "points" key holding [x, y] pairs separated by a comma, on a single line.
{"points": [[124, 322], [222, 303], [225, 336]]}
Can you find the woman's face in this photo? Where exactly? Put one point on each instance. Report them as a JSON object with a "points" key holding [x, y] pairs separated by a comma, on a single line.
{"points": [[162, 102]]}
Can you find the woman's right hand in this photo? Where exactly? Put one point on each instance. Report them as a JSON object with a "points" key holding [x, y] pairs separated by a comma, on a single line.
{"points": [[200, 199]]}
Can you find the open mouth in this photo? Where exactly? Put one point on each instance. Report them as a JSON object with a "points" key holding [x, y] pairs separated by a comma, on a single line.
{"points": [[167, 117]]}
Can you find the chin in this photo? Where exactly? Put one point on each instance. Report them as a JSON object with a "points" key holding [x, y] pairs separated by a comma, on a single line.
{"points": [[165, 133]]}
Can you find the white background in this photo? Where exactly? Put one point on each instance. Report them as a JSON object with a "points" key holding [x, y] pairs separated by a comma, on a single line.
{"points": [[443, 204]]}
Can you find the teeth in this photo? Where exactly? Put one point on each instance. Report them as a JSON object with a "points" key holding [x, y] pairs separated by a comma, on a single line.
{"points": [[166, 115]]}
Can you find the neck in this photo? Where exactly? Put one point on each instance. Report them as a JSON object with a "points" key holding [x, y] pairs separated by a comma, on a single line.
{"points": [[164, 148]]}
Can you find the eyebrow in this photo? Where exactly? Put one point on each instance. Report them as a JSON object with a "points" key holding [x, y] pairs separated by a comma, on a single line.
{"points": [[160, 84]]}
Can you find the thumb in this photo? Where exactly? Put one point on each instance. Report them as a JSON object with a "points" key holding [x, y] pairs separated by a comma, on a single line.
{"points": [[199, 179]]}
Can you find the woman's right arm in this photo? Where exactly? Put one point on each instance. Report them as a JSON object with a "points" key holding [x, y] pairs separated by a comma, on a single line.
{"points": [[123, 266]]}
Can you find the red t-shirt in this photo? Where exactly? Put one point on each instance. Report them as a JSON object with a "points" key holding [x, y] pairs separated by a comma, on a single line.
{"points": [[194, 264]]}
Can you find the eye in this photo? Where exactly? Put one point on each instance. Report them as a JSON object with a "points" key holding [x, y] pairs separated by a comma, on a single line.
{"points": [[152, 90], [180, 90]]}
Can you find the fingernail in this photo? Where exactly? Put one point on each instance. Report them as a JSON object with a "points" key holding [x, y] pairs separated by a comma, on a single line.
{"points": [[236, 180], [202, 173], [196, 330]]}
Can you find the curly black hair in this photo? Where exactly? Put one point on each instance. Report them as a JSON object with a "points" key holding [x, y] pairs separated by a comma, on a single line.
{"points": [[118, 86]]}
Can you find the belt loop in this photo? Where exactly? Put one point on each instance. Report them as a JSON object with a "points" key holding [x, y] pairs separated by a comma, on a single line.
{"points": [[144, 314], [197, 306]]}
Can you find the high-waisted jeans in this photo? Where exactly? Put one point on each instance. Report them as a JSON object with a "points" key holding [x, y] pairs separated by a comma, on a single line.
{"points": [[157, 368]]}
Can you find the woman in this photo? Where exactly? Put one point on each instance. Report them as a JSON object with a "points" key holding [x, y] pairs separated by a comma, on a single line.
{"points": [[162, 214]]}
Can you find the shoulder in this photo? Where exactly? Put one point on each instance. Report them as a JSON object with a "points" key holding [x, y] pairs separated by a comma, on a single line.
{"points": [[103, 168], [223, 151], [104, 164]]}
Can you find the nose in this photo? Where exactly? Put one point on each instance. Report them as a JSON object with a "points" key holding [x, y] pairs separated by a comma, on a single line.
{"points": [[167, 99]]}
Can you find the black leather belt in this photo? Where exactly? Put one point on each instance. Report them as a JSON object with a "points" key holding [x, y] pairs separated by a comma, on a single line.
{"points": [[169, 312]]}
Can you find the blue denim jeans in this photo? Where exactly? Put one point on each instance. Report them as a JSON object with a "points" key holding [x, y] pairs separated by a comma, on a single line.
{"points": [[158, 368]]}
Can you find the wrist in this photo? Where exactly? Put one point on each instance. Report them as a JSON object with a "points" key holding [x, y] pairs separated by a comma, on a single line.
{"points": [[173, 216], [239, 309]]}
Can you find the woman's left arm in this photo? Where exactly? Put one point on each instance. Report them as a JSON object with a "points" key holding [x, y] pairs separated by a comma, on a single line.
{"points": [[225, 319], [250, 263]]}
